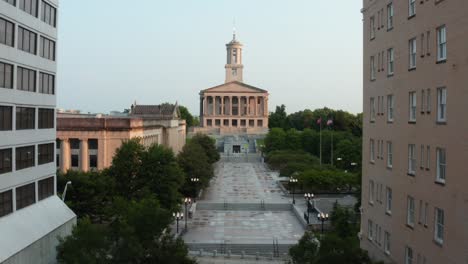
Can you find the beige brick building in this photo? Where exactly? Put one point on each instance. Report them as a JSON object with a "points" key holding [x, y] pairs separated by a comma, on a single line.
{"points": [[415, 143], [88, 142]]}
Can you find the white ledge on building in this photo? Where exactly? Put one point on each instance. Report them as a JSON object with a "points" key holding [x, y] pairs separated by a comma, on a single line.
{"points": [[25, 227]]}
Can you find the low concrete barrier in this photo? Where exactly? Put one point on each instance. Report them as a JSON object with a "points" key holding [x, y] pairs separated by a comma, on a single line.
{"points": [[244, 206]]}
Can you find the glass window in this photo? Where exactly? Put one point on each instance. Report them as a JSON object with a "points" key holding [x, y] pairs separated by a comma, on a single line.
{"points": [[46, 118], [412, 53], [372, 109], [372, 68], [428, 157], [74, 161], [11, 2], [6, 118], [7, 31], [29, 6], [6, 75], [441, 165], [390, 107], [26, 79], [372, 27], [390, 62], [25, 157], [25, 195], [45, 153], [389, 201], [389, 154], [411, 8], [25, 118], [412, 106], [428, 101], [387, 243], [47, 48], [441, 44], [421, 164], [46, 83], [439, 226], [411, 159], [370, 230], [5, 160], [408, 255], [93, 161], [46, 188], [48, 14], [389, 16], [372, 150], [441, 104], [27, 40], [410, 212], [6, 203], [371, 191]]}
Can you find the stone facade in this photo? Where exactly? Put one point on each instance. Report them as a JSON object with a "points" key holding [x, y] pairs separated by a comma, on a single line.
{"points": [[87, 142], [233, 107]]}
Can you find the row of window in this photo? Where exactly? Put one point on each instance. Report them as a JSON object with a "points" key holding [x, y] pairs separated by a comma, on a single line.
{"points": [[409, 256], [26, 79], [26, 118], [374, 234], [439, 218], [377, 61], [26, 195], [48, 12], [27, 40], [377, 108], [425, 158], [25, 157]]}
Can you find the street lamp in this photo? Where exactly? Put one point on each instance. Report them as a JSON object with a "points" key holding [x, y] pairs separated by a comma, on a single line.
{"points": [[308, 197], [187, 201], [65, 190], [178, 216], [195, 183], [322, 217], [293, 182]]}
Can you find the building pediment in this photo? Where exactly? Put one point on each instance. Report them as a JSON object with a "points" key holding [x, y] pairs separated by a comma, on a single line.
{"points": [[234, 87]]}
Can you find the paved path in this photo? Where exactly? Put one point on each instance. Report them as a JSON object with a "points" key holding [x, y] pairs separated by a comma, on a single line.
{"points": [[244, 182]]}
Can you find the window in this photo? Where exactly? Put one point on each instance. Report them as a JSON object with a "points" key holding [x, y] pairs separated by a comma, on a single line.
{"points": [[412, 53], [410, 212], [74, 161], [439, 226], [441, 44], [423, 101], [428, 101], [388, 207], [420, 211], [411, 8], [6, 118], [389, 154], [26, 79], [372, 150], [422, 45], [5, 160], [29, 6], [11, 2], [428, 43], [372, 68], [387, 243], [389, 16], [46, 118], [441, 165], [390, 61], [372, 27], [25, 118], [27, 40], [6, 203], [47, 48], [428, 157], [426, 208], [372, 109], [48, 14], [45, 153], [370, 229], [441, 104], [25, 195], [371, 192], [412, 107], [7, 32], [411, 159], [421, 164], [378, 234], [6, 75], [46, 188], [46, 83], [93, 161], [390, 108], [25, 157], [408, 255]]}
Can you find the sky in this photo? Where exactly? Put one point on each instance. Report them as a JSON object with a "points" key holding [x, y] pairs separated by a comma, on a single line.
{"points": [[111, 53]]}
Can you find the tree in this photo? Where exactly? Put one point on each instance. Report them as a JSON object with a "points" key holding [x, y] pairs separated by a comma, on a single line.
{"points": [[306, 250], [293, 139], [275, 140], [208, 145], [187, 116], [196, 164], [278, 118]]}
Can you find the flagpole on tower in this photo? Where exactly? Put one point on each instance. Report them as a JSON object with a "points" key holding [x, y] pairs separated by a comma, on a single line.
{"points": [[320, 125]]}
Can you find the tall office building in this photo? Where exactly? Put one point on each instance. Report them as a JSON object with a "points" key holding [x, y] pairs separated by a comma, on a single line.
{"points": [[31, 215], [415, 144]]}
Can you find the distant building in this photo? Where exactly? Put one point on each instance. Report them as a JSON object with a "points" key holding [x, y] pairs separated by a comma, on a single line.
{"points": [[32, 216], [415, 144], [88, 142], [233, 107]]}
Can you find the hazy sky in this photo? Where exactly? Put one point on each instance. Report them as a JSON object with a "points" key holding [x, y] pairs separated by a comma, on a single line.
{"points": [[306, 53]]}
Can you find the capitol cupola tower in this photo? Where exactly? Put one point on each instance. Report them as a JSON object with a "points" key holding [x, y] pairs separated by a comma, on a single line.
{"points": [[234, 65]]}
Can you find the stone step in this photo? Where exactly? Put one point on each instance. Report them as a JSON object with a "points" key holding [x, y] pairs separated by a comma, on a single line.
{"points": [[237, 249]]}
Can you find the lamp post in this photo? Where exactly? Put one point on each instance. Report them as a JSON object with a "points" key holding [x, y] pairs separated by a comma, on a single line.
{"points": [[195, 182], [65, 190], [293, 182], [187, 201], [178, 216], [322, 217], [308, 197]]}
